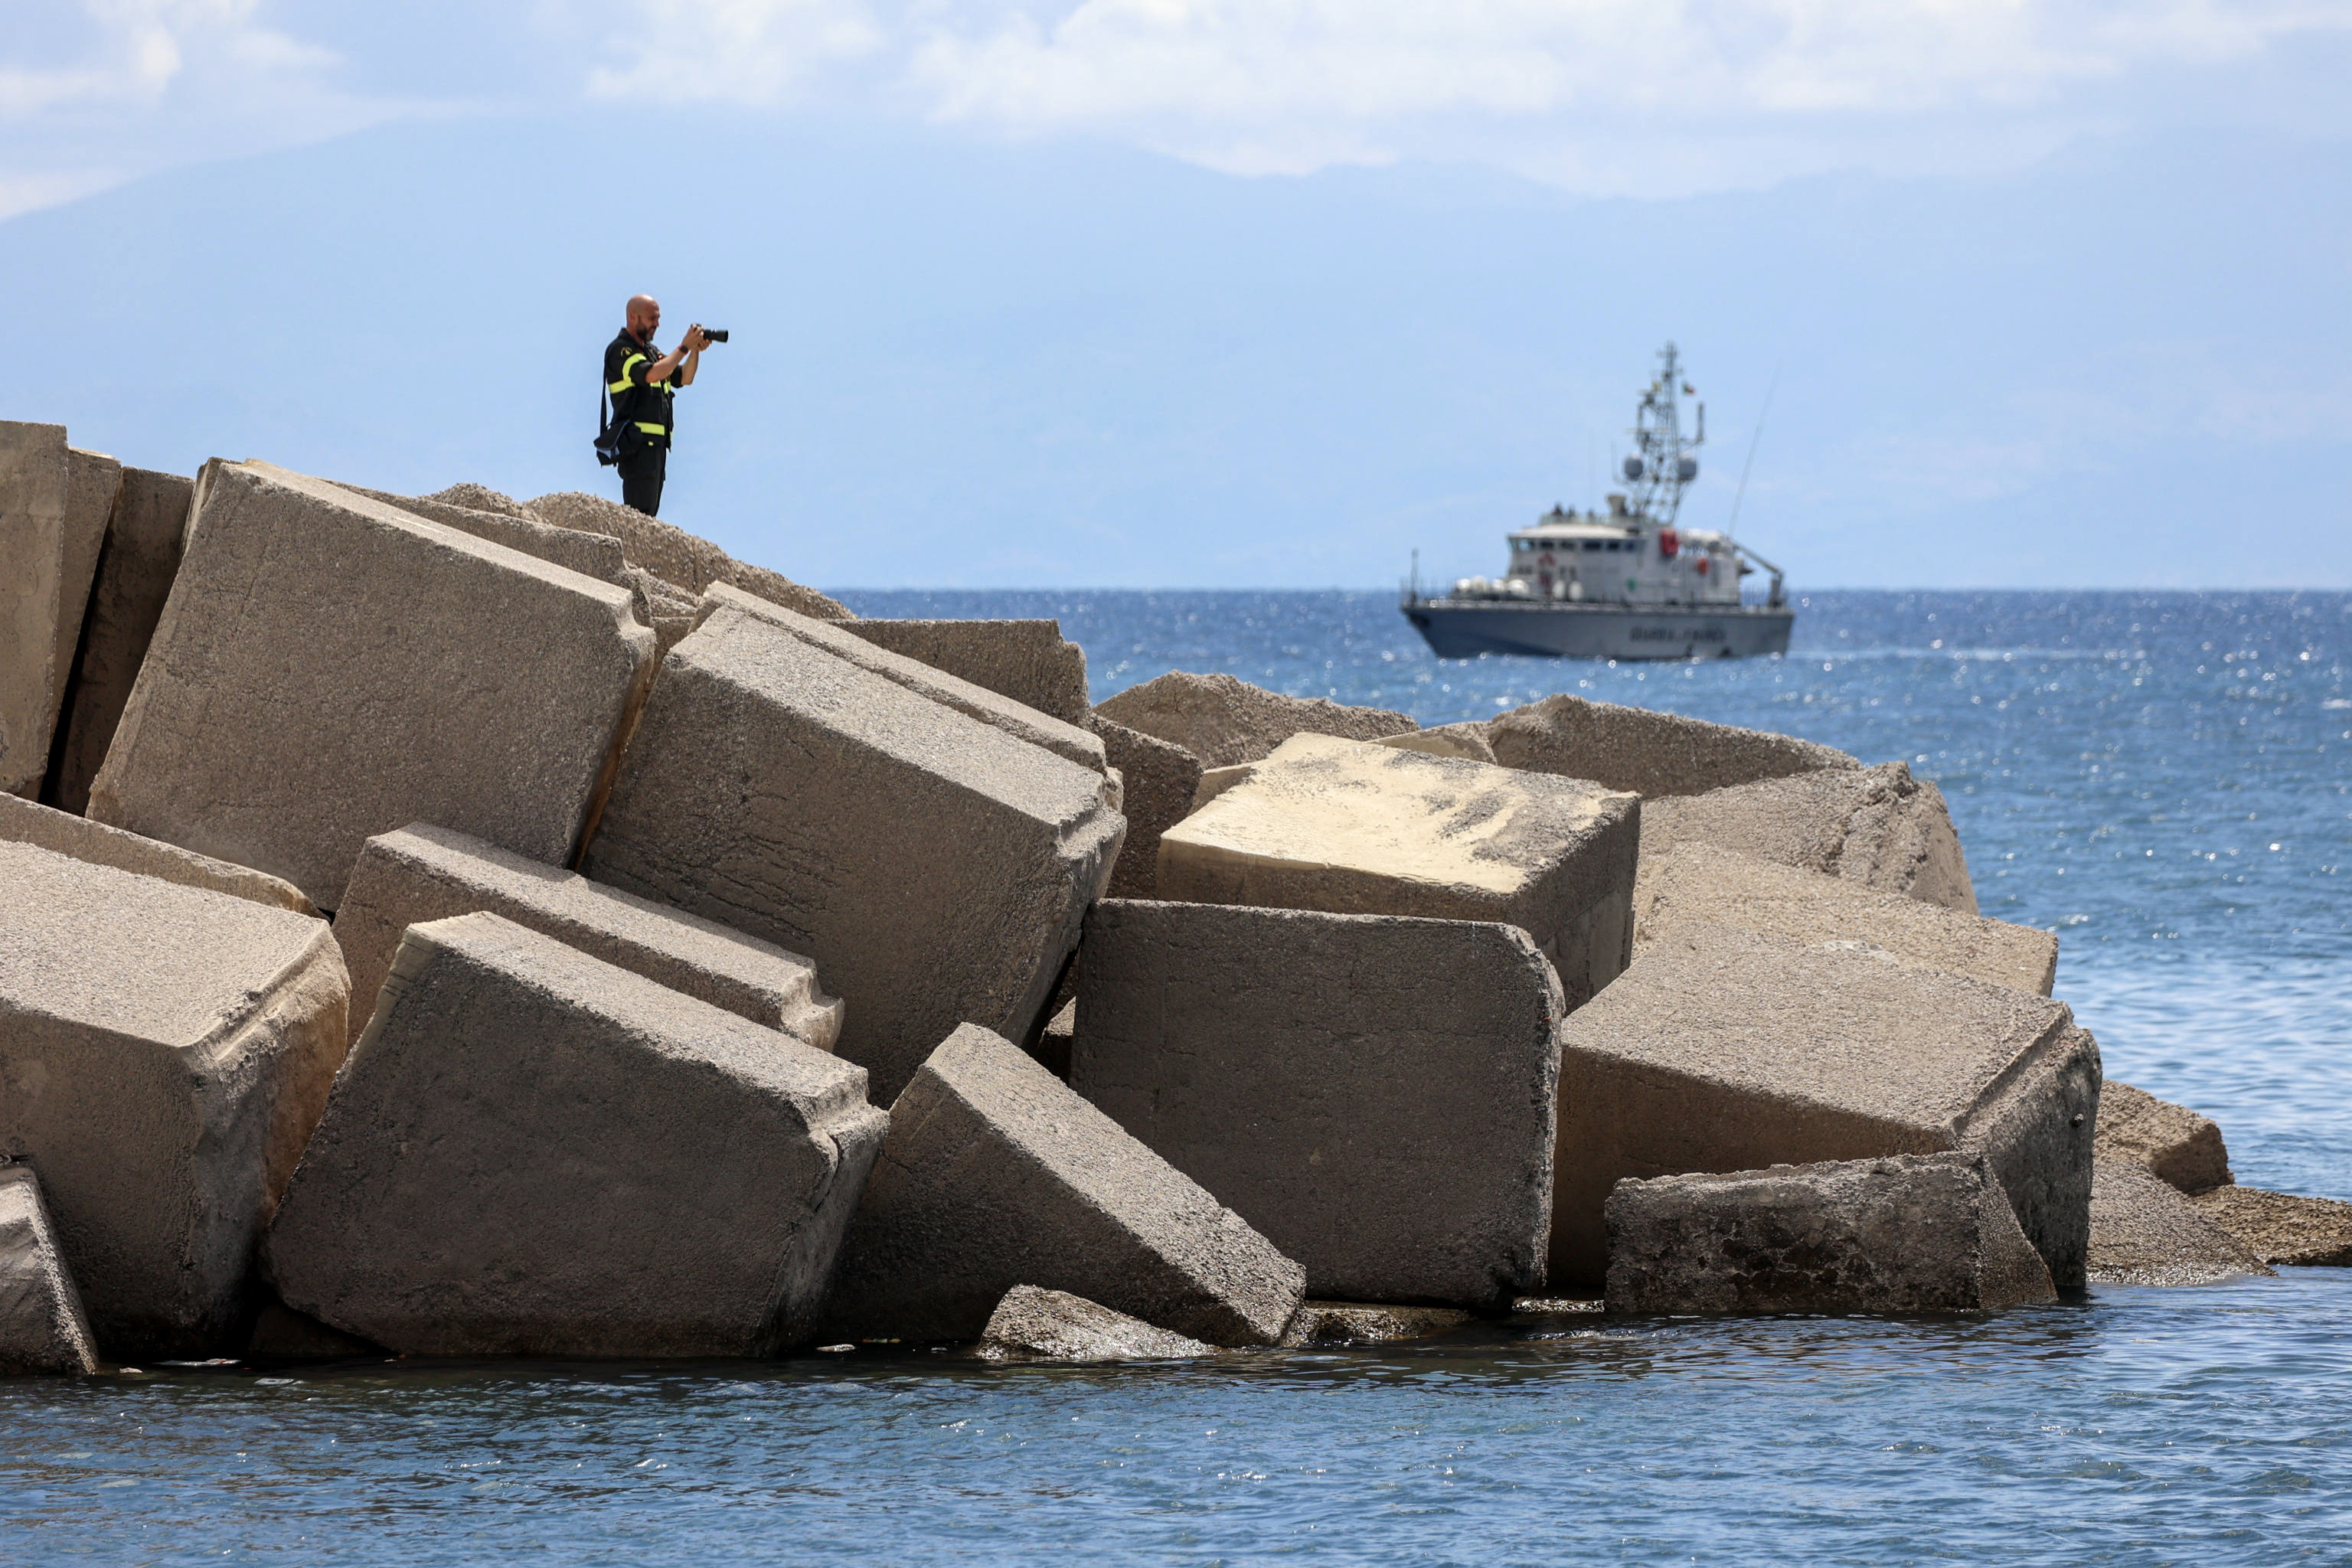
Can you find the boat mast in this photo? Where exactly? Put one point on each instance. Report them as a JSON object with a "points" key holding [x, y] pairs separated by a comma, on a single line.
{"points": [[1661, 464]]}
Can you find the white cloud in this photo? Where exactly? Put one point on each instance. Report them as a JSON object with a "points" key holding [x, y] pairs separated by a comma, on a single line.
{"points": [[739, 51]]}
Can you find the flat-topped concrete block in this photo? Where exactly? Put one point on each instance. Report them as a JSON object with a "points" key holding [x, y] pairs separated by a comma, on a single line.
{"points": [[330, 668], [1649, 752], [677, 557], [54, 502], [2175, 1143], [996, 1173], [164, 1051], [1352, 828], [596, 555], [1029, 661], [425, 873], [1367, 1323], [1720, 1050], [534, 1153], [42, 1330], [2144, 1231], [1376, 1095], [934, 868], [24, 822], [1223, 719], [1913, 1233], [1878, 827], [1031, 1324], [2280, 1227], [1157, 782], [135, 569], [1701, 884]]}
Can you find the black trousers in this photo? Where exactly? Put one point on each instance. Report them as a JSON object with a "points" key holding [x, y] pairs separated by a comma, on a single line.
{"points": [[640, 479]]}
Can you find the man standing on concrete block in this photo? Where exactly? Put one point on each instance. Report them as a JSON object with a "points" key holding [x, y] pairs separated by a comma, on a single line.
{"points": [[1375, 1094], [641, 383]]}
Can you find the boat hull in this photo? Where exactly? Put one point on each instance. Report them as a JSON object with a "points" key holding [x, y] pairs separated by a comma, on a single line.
{"points": [[1464, 628]]}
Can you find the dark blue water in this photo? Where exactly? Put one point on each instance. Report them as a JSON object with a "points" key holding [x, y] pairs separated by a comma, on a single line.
{"points": [[2167, 780]]}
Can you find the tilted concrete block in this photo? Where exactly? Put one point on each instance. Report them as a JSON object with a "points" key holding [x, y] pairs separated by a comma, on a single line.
{"points": [[1031, 1324], [594, 555], [1699, 884], [1722, 1051], [330, 668], [2281, 1228], [1223, 719], [533, 1152], [1376, 1095], [135, 569], [42, 1329], [54, 502], [690, 562], [1029, 661], [1159, 780], [2144, 1231], [164, 1051], [996, 1173], [1914, 1233], [2182, 1147], [62, 833], [1878, 827], [1649, 752], [933, 868], [1352, 828], [425, 873]]}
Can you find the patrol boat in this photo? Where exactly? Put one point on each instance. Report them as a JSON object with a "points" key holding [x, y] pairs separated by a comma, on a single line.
{"points": [[1624, 583]]}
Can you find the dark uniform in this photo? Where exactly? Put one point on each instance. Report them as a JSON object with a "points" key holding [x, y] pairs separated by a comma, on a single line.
{"points": [[642, 410]]}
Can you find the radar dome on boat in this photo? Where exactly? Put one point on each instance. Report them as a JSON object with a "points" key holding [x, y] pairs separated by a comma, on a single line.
{"points": [[1686, 470], [1633, 467]]}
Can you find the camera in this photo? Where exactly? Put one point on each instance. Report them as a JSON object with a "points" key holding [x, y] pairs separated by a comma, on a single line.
{"points": [[716, 334]]}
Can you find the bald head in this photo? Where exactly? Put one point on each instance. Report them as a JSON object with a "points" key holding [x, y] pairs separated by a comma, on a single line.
{"points": [[644, 315]]}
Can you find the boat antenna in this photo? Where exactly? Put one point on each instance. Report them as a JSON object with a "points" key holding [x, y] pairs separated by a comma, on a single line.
{"points": [[1741, 493]]}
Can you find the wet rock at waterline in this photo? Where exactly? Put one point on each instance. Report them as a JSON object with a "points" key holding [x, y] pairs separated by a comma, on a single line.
{"points": [[1031, 1324]]}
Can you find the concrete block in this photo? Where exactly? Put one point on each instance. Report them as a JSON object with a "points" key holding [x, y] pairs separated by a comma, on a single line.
{"points": [[479, 498], [995, 1173], [1031, 1324], [534, 1153], [164, 1051], [1646, 751], [594, 555], [1222, 721], [977, 702], [54, 502], [1351, 829], [2180, 1146], [934, 868], [1159, 780], [1914, 1233], [670, 611], [1700, 884], [2280, 1227], [330, 668], [690, 564], [1029, 661], [1722, 1051], [42, 1329], [1878, 827], [1364, 1323], [1376, 1095], [135, 569], [2144, 1231], [423, 873], [1468, 738], [62, 833]]}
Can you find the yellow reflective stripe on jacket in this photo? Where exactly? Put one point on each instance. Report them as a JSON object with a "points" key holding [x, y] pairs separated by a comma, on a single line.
{"points": [[628, 365], [652, 429]]}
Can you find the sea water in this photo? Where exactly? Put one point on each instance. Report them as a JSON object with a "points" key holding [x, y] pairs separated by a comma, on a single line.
{"points": [[2166, 779]]}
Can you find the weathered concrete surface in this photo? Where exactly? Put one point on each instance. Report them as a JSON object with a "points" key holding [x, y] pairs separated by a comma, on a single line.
{"points": [[1352, 828], [2280, 1227], [1031, 1324], [1878, 827], [1649, 752], [534, 1153], [1029, 661], [1465, 739], [2143, 1232], [1700, 884], [1375, 1094], [934, 868], [1364, 1323], [671, 611], [1159, 780], [1223, 721], [677, 557], [479, 498], [54, 502], [1911, 1233], [2180, 1146], [42, 1329], [164, 1051], [330, 668], [594, 555], [995, 1173], [136, 568], [978, 702], [425, 873], [62, 833], [1722, 1051]]}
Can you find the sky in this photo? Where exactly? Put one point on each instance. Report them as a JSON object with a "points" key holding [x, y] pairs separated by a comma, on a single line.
{"points": [[1202, 293]]}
